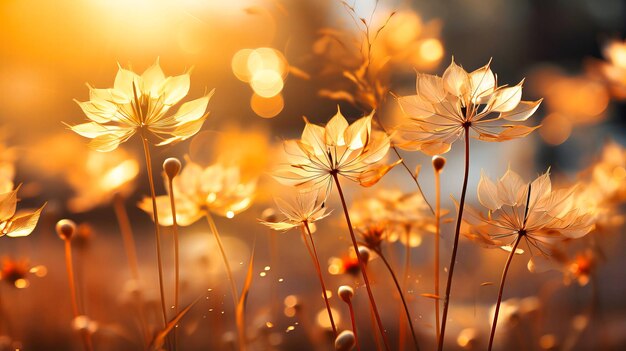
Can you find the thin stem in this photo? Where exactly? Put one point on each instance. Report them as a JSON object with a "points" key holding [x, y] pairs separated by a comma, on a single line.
{"points": [[127, 235], [176, 257], [437, 238], [229, 272], [417, 183], [457, 231], [405, 282], [361, 264], [86, 335], [131, 254], [404, 304], [353, 320], [157, 235], [318, 269], [504, 272]]}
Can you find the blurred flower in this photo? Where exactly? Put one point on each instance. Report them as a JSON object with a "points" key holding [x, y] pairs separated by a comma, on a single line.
{"points": [[218, 188], [570, 101], [403, 217], [534, 212], [605, 187], [445, 106], [306, 210], [140, 104], [100, 177], [15, 224], [17, 272], [353, 151], [614, 71]]}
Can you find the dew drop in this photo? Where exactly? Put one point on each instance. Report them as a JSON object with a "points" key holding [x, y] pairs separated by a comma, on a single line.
{"points": [[262, 274], [267, 268]]}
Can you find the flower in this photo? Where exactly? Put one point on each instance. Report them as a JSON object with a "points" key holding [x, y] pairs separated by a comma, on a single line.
{"points": [[403, 217], [605, 187], [352, 151], [218, 188], [533, 212], [16, 272], [614, 70], [140, 104], [446, 106], [12, 224], [306, 210]]}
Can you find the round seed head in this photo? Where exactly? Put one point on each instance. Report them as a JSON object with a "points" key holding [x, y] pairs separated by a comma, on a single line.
{"points": [[438, 162], [171, 166], [65, 229], [345, 341], [269, 215], [345, 293], [364, 253]]}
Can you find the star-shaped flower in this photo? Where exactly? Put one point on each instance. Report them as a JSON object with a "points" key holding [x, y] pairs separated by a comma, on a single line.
{"points": [[445, 107], [140, 104]]}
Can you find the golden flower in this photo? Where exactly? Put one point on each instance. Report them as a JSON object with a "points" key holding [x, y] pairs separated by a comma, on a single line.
{"points": [[12, 224], [353, 151], [404, 216], [605, 187], [100, 177], [533, 212], [218, 188], [140, 104], [445, 107], [306, 210]]}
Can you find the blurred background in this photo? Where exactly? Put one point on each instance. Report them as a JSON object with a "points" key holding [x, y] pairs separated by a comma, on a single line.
{"points": [[51, 50]]}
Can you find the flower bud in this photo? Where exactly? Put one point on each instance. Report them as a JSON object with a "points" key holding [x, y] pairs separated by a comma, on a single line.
{"points": [[171, 166], [345, 341], [364, 253], [269, 215], [65, 229], [438, 162], [345, 292]]}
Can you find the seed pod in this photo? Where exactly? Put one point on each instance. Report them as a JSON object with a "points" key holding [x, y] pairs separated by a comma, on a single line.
{"points": [[438, 162], [171, 166], [345, 292], [65, 229], [364, 252], [345, 341]]}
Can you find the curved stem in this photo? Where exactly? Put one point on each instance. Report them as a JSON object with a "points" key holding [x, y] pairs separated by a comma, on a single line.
{"points": [[353, 320], [318, 269], [406, 307], [176, 257], [455, 247], [157, 235], [229, 272], [405, 282], [417, 183], [361, 264], [85, 334], [504, 272], [437, 238]]}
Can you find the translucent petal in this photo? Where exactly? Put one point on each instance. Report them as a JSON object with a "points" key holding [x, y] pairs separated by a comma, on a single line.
{"points": [[174, 89], [521, 112], [335, 129], [505, 99], [430, 88], [24, 225], [456, 80], [488, 193]]}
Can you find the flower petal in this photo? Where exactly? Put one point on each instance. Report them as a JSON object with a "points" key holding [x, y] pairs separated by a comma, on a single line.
{"points": [[522, 111], [24, 225]]}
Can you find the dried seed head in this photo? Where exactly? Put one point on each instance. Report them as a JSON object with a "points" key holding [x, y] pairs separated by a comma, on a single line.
{"points": [[345, 341], [65, 229], [269, 215], [438, 162], [171, 166], [345, 292], [364, 253]]}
